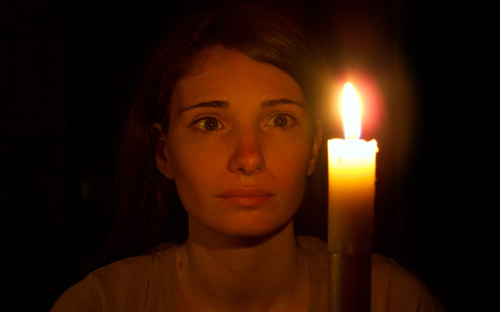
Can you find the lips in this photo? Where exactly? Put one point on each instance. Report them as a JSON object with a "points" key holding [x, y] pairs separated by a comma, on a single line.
{"points": [[247, 197]]}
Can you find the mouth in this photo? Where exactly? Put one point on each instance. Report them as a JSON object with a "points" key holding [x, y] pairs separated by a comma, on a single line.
{"points": [[247, 197]]}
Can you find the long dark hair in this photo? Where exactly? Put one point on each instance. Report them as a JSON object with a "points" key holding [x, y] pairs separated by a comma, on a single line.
{"points": [[145, 208]]}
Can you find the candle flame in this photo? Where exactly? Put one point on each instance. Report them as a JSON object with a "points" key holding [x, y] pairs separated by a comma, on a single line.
{"points": [[350, 106]]}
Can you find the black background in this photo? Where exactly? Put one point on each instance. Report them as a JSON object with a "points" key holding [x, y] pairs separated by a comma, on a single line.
{"points": [[67, 69]]}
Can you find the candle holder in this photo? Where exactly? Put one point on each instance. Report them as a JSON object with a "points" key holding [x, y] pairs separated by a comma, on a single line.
{"points": [[349, 282]]}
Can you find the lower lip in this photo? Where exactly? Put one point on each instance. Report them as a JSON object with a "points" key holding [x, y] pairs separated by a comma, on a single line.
{"points": [[248, 201]]}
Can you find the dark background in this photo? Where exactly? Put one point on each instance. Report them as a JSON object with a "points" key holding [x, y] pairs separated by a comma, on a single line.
{"points": [[67, 69]]}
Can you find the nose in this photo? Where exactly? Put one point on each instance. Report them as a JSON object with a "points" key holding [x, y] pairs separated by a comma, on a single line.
{"points": [[247, 158]]}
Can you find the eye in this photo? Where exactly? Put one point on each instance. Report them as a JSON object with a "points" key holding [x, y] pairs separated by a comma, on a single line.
{"points": [[208, 124], [281, 121]]}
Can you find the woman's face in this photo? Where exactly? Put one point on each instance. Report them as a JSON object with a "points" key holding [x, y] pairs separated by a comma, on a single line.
{"points": [[239, 146]]}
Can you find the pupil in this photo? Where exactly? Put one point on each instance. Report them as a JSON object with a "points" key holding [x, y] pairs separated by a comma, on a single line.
{"points": [[280, 121], [211, 124]]}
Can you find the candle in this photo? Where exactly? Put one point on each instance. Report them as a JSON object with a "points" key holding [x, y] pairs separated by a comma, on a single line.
{"points": [[351, 182], [351, 185]]}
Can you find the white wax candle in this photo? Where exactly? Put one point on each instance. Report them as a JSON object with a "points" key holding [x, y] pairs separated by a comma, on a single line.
{"points": [[351, 179]]}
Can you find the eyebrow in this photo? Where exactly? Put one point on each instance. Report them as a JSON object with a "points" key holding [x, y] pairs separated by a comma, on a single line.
{"points": [[274, 102], [215, 103], [225, 104]]}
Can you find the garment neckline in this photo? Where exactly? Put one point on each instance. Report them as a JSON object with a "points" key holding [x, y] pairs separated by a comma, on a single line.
{"points": [[170, 275]]}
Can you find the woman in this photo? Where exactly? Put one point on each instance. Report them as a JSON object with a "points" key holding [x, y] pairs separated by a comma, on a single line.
{"points": [[216, 158]]}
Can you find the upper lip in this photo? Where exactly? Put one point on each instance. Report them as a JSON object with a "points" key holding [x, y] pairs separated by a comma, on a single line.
{"points": [[242, 192]]}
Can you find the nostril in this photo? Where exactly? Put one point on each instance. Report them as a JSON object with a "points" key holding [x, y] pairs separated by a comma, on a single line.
{"points": [[247, 159]]}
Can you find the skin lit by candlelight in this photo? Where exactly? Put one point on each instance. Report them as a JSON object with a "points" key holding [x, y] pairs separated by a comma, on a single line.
{"points": [[350, 106]]}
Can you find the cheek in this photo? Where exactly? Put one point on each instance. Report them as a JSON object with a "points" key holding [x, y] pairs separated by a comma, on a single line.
{"points": [[196, 168], [292, 154], [289, 162], [190, 181]]}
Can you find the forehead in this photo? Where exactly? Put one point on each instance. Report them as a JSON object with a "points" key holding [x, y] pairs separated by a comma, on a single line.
{"points": [[223, 74]]}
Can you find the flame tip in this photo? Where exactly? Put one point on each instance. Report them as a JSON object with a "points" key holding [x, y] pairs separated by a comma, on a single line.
{"points": [[351, 112]]}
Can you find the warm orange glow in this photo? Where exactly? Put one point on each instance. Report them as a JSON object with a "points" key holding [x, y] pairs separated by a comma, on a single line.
{"points": [[350, 106]]}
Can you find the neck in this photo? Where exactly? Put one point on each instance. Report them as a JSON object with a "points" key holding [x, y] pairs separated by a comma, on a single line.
{"points": [[236, 273]]}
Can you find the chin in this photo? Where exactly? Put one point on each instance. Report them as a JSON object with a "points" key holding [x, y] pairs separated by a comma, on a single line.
{"points": [[256, 229], [237, 223]]}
